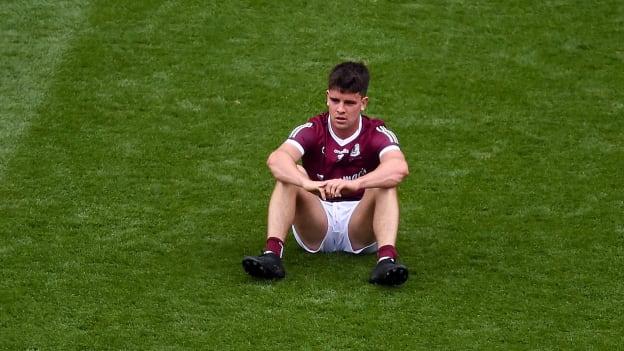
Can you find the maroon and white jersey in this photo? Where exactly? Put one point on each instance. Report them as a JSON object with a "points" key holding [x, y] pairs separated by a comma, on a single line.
{"points": [[326, 156]]}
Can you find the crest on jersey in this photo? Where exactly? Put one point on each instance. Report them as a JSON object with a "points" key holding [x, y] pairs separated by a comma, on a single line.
{"points": [[355, 152]]}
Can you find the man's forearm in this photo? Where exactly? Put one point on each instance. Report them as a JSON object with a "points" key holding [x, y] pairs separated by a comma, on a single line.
{"points": [[284, 168], [387, 175]]}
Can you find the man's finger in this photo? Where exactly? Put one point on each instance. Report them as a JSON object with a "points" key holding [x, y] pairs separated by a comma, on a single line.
{"points": [[337, 190], [322, 192], [333, 190]]}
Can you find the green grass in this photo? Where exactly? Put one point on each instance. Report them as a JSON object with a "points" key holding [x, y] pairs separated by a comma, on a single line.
{"points": [[133, 138]]}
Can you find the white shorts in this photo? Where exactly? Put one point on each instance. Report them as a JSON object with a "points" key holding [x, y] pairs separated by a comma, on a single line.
{"points": [[337, 236]]}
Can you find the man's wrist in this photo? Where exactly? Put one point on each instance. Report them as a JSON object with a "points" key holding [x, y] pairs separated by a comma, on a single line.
{"points": [[358, 184], [302, 182]]}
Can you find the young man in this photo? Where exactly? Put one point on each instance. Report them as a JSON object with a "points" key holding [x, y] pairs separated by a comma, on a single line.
{"points": [[344, 195]]}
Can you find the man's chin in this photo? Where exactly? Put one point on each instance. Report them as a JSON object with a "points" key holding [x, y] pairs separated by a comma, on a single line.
{"points": [[341, 124]]}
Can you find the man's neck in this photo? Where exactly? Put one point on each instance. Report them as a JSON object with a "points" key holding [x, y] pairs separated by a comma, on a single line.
{"points": [[343, 137]]}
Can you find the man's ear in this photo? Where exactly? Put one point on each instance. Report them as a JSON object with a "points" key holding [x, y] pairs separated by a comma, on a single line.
{"points": [[327, 97], [364, 103]]}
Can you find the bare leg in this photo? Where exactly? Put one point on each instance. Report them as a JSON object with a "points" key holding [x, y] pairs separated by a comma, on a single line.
{"points": [[291, 204], [376, 218], [281, 210]]}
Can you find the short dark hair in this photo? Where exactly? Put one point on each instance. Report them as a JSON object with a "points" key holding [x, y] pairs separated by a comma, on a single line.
{"points": [[349, 77]]}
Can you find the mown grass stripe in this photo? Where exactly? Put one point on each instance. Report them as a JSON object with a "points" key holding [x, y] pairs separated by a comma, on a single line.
{"points": [[34, 35]]}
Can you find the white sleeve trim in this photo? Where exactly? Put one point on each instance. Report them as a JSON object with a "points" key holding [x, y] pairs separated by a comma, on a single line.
{"points": [[388, 148], [299, 128], [388, 133], [296, 144]]}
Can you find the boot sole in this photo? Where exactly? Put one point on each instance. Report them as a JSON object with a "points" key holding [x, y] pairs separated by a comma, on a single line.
{"points": [[394, 276], [254, 268]]}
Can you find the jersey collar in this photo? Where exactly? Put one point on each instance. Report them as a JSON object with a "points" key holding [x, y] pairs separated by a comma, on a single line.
{"points": [[343, 142]]}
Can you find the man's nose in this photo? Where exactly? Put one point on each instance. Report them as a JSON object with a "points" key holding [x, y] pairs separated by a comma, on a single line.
{"points": [[341, 108]]}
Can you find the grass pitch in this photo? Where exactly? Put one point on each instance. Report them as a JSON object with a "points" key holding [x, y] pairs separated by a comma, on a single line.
{"points": [[133, 138]]}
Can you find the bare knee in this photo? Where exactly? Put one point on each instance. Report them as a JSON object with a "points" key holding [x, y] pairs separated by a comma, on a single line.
{"points": [[288, 187], [291, 191], [378, 193], [285, 186]]}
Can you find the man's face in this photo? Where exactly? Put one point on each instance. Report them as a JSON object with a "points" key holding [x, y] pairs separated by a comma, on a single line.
{"points": [[344, 110]]}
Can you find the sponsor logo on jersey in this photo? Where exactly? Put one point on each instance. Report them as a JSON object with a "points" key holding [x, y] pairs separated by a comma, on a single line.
{"points": [[340, 153], [361, 173]]}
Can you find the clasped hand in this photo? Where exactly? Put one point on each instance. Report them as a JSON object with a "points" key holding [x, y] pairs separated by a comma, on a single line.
{"points": [[330, 189]]}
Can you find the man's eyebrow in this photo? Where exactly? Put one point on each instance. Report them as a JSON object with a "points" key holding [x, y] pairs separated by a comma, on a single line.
{"points": [[349, 101]]}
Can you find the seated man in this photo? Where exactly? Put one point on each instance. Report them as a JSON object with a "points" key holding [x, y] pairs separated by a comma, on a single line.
{"points": [[343, 196]]}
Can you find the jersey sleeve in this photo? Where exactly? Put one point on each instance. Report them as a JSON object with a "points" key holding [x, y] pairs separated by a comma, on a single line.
{"points": [[303, 137], [385, 140]]}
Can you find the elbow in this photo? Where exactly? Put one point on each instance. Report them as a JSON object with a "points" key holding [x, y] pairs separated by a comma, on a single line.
{"points": [[272, 161], [393, 179], [402, 173], [404, 170]]}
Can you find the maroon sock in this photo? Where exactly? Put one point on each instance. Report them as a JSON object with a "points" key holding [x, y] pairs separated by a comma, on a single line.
{"points": [[387, 251], [275, 245]]}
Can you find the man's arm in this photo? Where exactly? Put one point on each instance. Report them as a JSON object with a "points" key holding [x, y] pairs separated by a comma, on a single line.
{"points": [[391, 171], [283, 165]]}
